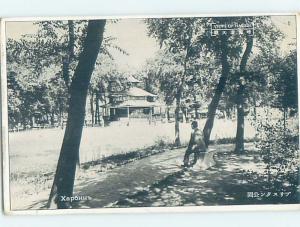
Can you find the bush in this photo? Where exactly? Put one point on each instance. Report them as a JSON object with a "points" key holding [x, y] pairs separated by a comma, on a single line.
{"points": [[279, 149]]}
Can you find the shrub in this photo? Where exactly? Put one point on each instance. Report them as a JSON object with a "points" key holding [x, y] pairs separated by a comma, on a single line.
{"points": [[279, 149]]}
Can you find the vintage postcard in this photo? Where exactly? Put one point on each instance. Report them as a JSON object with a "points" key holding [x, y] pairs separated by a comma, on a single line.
{"points": [[155, 114]]}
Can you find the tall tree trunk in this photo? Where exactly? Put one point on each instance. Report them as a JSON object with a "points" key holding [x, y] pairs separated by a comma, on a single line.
{"points": [[254, 110], [168, 114], [97, 119], [177, 111], [98, 111], [92, 107], [180, 91], [185, 114], [105, 110], [284, 118], [212, 108], [239, 139], [31, 121], [69, 154], [61, 120], [71, 44], [196, 106], [70, 54], [24, 122], [52, 118], [47, 120]]}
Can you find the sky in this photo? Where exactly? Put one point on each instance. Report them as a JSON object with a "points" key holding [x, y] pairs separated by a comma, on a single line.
{"points": [[132, 36], [287, 25]]}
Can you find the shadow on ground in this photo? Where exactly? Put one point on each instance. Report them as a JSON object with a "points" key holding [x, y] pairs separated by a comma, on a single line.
{"points": [[158, 181], [233, 181]]}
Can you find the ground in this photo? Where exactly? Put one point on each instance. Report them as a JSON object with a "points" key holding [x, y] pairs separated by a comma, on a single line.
{"points": [[234, 180], [36, 151], [155, 180], [159, 180]]}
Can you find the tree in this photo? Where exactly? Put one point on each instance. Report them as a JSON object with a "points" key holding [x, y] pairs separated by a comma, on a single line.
{"points": [[285, 84], [239, 141], [278, 141], [228, 48], [191, 38], [48, 58], [219, 89], [100, 90], [177, 35], [64, 176], [267, 35]]}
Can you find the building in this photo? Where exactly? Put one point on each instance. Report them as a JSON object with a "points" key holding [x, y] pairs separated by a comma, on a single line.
{"points": [[133, 103]]}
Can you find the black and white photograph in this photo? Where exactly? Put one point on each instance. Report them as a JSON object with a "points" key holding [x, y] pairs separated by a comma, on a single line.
{"points": [[156, 112]]}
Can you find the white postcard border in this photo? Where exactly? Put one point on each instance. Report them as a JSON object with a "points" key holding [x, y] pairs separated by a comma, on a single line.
{"points": [[184, 209]]}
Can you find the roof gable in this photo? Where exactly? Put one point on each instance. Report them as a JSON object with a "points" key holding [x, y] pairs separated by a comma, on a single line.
{"points": [[138, 92]]}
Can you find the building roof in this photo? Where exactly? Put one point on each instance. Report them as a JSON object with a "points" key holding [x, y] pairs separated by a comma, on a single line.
{"points": [[135, 91], [131, 79], [135, 103]]}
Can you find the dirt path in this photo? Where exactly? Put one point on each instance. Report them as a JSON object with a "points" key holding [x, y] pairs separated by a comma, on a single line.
{"points": [[234, 180], [114, 185], [223, 184], [120, 183], [159, 181], [107, 187]]}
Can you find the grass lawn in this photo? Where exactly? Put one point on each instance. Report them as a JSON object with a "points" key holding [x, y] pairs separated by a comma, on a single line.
{"points": [[34, 153], [37, 151]]}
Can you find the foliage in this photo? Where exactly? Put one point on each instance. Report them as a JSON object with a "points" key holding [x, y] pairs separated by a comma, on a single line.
{"points": [[177, 37], [107, 78], [285, 84], [258, 73], [192, 61], [40, 68], [279, 149]]}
